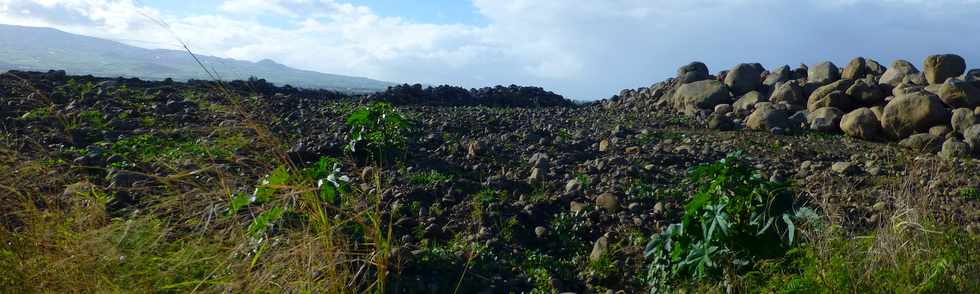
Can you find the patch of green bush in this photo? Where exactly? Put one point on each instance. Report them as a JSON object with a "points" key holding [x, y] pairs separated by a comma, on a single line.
{"points": [[733, 220]]}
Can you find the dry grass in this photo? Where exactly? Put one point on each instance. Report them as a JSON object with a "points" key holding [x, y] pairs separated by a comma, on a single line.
{"points": [[57, 236]]}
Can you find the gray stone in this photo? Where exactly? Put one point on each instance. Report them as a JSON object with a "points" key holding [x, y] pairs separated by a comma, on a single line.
{"points": [[608, 201], [940, 131], [831, 95], [845, 168], [747, 103], [599, 248], [823, 73], [766, 117], [780, 75], [866, 92], [954, 148], [720, 122], [958, 93], [540, 231], [856, 69], [692, 72], [826, 119], [972, 137], [723, 109], [789, 92], [861, 123], [962, 119], [912, 113], [743, 78], [938, 68], [897, 72], [923, 142], [706, 94]]}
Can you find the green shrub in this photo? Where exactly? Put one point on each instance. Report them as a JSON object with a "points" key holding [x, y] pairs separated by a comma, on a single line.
{"points": [[429, 178], [325, 175], [734, 219], [377, 129]]}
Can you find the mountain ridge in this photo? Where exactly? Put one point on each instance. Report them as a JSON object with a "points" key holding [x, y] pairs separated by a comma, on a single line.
{"points": [[40, 48]]}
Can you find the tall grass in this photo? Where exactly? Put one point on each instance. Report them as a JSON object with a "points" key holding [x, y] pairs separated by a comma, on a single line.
{"points": [[57, 235]]}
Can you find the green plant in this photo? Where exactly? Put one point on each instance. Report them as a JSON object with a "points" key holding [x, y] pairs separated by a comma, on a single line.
{"points": [[583, 180], [970, 193], [566, 231], [734, 219], [429, 178], [325, 175], [377, 128]]}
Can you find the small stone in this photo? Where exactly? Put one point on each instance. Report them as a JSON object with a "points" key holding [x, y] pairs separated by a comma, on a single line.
{"points": [[723, 109], [599, 248], [572, 186], [954, 148], [535, 175], [844, 168], [658, 208], [577, 207], [603, 145], [608, 201], [633, 150], [540, 231]]}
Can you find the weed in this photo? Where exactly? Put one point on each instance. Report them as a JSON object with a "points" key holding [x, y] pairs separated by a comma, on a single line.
{"points": [[429, 178], [970, 194], [734, 219], [377, 129]]}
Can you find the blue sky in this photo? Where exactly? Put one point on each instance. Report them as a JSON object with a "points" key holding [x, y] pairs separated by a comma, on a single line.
{"points": [[583, 49]]}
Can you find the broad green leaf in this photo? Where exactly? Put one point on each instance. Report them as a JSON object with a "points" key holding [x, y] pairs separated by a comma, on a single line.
{"points": [[266, 219]]}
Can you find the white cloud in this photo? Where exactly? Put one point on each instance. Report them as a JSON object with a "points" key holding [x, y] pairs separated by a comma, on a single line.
{"points": [[582, 48]]}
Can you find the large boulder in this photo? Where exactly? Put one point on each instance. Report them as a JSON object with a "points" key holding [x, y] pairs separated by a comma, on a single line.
{"points": [[938, 68], [721, 122], [692, 72], [790, 93], [972, 137], [780, 75], [958, 93], [825, 119], [875, 68], [746, 103], [705, 94], [954, 148], [831, 95], [861, 123], [743, 78], [767, 116], [924, 142], [962, 119], [856, 69], [897, 72], [972, 77], [911, 113], [823, 73], [866, 92]]}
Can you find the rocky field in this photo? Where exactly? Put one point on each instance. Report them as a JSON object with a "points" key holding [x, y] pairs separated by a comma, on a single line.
{"points": [[247, 187]]}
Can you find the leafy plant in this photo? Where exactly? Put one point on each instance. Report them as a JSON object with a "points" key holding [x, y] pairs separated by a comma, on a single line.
{"points": [[325, 173], [377, 128], [429, 178], [734, 219], [970, 193]]}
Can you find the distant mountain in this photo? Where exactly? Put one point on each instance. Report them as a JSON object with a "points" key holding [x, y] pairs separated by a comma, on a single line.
{"points": [[32, 48]]}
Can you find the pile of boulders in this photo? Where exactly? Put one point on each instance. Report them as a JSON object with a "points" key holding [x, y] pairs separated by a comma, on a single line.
{"points": [[497, 96], [935, 110]]}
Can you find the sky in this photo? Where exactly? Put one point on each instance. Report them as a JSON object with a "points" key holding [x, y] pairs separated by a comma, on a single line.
{"points": [[583, 49]]}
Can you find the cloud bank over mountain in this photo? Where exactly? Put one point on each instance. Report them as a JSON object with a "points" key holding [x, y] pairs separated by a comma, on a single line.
{"points": [[584, 49]]}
